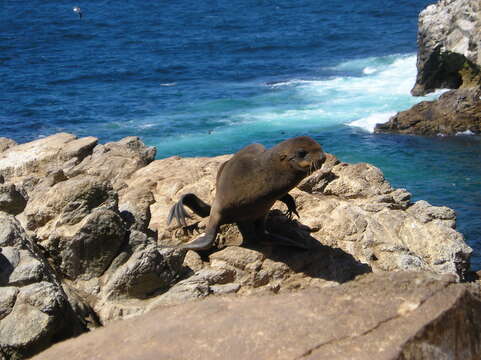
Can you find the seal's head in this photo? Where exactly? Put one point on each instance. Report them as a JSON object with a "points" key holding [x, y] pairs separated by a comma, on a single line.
{"points": [[302, 154]]}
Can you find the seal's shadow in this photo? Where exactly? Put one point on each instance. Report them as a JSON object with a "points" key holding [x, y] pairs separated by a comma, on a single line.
{"points": [[319, 261]]}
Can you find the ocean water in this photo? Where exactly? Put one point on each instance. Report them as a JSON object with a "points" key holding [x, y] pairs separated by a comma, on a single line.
{"points": [[209, 77]]}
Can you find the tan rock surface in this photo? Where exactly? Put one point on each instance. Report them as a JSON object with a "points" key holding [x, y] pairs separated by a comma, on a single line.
{"points": [[379, 316], [87, 248], [348, 207], [41, 156], [34, 310]]}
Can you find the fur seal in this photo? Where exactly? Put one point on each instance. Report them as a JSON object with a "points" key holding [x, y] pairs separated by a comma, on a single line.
{"points": [[247, 185]]}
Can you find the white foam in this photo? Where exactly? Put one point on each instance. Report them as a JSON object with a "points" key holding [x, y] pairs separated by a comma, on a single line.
{"points": [[369, 70], [168, 84], [273, 115], [394, 77], [146, 125], [361, 101], [292, 82], [467, 132], [369, 123], [379, 88]]}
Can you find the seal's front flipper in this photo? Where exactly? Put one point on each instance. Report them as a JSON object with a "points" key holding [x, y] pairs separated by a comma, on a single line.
{"points": [[291, 206], [190, 200]]}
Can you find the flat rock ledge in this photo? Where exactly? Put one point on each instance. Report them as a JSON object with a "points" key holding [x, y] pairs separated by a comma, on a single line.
{"points": [[83, 233], [375, 317]]}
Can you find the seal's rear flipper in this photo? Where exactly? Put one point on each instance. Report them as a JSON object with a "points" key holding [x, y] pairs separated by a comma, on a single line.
{"points": [[203, 242], [190, 200]]}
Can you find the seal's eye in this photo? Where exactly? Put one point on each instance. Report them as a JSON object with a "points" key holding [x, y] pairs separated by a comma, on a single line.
{"points": [[301, 153]]}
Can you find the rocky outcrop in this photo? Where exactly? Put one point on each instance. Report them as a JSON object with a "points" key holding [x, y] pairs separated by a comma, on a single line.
{"points": [[376, 317], [351, 208], [449, 57], [455, 112], [83, 236], [449, 52], [34, 309]]}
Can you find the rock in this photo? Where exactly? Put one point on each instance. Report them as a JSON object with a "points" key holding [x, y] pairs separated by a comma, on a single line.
{"points": [[93, 249], [11, 201], [167, 177], [358, 180], [128, 288], [39, 157], [449, 54], [134, 207], [376, 317], [26, 268], [11, 232], [6, 143], [8, 296], [77, 223], [34, 310], [18, 333], [89, 252], [67, 203], [145, 272], [456, 111], [449, 57], [193, 288], [115, 161], [347, 207]]}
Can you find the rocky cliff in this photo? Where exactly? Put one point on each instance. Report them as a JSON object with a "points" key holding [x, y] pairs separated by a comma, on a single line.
{"points": [[449, 38], [449, 57], [83, 234]]}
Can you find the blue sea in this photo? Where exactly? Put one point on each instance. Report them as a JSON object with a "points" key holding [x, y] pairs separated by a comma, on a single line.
{"points": [[208, 77]]}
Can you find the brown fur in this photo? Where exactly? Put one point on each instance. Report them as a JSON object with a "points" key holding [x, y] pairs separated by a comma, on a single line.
{"points": [[252, 181]]}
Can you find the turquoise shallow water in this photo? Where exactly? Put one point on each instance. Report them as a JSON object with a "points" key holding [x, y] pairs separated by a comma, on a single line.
{"points": [[208, 77]]}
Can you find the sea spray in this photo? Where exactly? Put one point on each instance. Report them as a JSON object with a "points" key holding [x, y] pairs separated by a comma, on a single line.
{"points": [[293, 107]]}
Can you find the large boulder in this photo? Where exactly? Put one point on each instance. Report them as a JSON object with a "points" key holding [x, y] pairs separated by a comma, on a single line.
{"points": [[377, 317], [40, 157], [34, 310], [115, 161], [81, 231], [449, 38], [78, 224]]}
